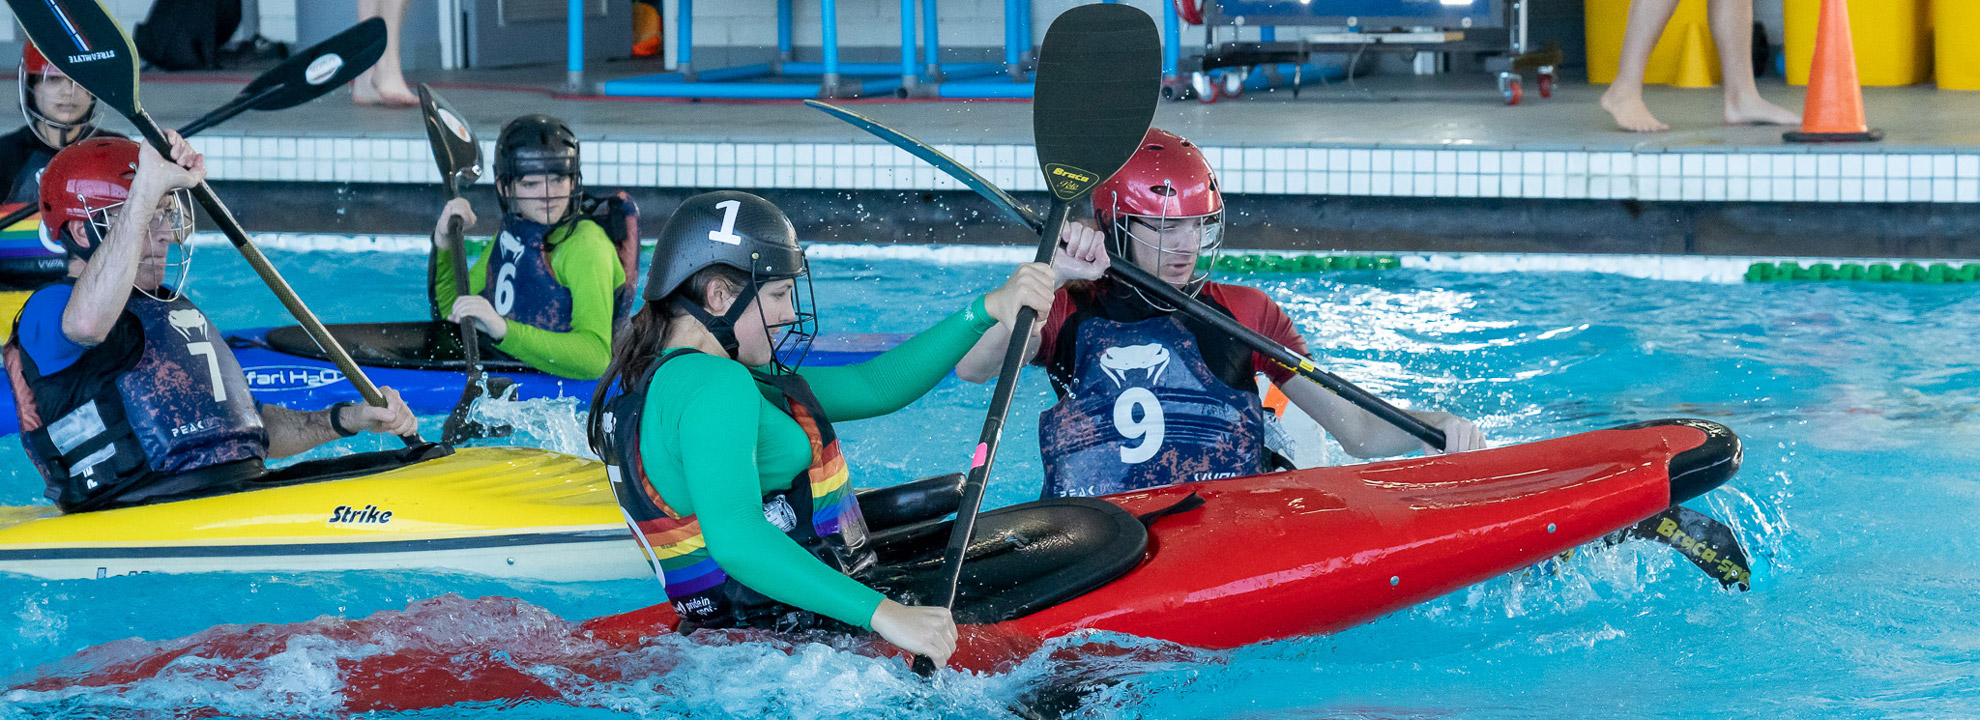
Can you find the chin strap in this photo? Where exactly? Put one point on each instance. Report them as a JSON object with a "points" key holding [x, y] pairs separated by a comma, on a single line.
{"points": [[724, 327]]}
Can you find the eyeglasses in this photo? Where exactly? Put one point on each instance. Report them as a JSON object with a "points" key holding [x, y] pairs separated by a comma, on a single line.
{"points": [[1178, 235]]}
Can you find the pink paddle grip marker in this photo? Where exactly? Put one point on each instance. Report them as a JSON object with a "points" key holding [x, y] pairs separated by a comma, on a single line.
{"points": [[982, 454]]}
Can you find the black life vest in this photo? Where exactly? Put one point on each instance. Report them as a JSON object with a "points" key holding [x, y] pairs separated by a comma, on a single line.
{"points": [[619, 216], [1140, 406], [1228, 361], [167, 419], [819, 511]]}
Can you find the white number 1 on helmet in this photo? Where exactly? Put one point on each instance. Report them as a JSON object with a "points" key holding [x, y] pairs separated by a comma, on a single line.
{"points": [[727, 234]]}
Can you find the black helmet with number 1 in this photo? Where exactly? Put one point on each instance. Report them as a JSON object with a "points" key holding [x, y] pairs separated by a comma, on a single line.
{"points": [[745, 233]]}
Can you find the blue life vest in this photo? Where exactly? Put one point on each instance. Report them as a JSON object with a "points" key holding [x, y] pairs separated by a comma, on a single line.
{"points": [[520, 283], [1143, 410], [169, 418]]}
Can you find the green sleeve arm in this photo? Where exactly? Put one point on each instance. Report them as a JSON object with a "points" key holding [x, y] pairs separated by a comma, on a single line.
{"points": [[899, 376], [586, 264], [443, 275], [718, 457]]}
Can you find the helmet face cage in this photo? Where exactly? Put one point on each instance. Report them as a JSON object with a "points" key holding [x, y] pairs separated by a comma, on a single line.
{"points": [[178, 218], [26, 81], [795, 342], [571, 198], [1160, 236]]}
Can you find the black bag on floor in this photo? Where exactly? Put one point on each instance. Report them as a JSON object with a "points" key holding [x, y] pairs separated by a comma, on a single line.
{"points": [[187, 34]]}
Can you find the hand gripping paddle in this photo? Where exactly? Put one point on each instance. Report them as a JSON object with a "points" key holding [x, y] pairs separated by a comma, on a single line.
{"points": [[1099, 76], [1126, 271], [305, 76], [459, 157], [1705, 541], [81, 38]]}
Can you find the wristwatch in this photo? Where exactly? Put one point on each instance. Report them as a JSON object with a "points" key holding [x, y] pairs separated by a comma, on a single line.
{"points": [[336, 424]]}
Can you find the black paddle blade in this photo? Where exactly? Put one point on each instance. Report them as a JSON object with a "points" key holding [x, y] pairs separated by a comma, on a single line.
{"points": [[81, 38], [319, 69], [459, 428], [1099, 76], [1700, 538], [454, 147], [940, 160]]}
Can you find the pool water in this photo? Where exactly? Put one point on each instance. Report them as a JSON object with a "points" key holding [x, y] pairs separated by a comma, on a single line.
{"points": [[1857, 404]]}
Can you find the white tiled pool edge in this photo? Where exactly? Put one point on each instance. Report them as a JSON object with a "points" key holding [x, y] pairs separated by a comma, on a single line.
{"points": [[1939, 175], [1681, 268]]}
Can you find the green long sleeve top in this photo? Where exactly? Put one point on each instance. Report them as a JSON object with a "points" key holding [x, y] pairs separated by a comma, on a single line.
{"points": [[714, 444], [582, 259]]}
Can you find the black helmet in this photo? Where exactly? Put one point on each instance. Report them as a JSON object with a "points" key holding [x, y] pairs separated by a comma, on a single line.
{"points": [[535, 145], [726, 227], [734, 229]]}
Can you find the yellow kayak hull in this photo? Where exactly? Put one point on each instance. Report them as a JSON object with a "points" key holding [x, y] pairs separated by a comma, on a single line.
{"points": [[502, 512], [10, 309]]}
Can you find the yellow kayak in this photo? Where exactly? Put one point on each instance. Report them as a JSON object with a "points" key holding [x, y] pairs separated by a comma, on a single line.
{"points": [[502, 512], [10, 308]]}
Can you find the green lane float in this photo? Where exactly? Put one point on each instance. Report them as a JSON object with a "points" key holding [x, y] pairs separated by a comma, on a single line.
{"points": [[1934, 274], [1259, 263]]}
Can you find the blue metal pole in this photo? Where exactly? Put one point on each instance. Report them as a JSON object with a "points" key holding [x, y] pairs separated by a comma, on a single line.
{"points": [[574, 54], [1025, 38], [830, 84], [908, 74], [930, 37], [685, 59], [784, 30], [1010, 38]]}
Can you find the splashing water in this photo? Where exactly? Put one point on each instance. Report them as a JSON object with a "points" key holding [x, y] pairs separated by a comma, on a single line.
{"points": [[1859, 406], [556, 424]]}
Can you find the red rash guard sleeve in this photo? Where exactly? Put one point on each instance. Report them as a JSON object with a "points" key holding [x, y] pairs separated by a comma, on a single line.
{"points": [[1062, 308], [1256, 310]]}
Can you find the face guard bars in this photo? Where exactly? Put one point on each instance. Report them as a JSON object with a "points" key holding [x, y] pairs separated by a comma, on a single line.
{"points": [[177, 219]]}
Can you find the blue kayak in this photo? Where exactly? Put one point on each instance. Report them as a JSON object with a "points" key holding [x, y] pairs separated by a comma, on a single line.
{"points": [[422, 360]]}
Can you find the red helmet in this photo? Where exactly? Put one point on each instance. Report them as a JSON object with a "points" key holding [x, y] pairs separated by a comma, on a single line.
{"points": [[33, 69], [81, 182], [1167, 177], [1166, 181], [32, 62]]}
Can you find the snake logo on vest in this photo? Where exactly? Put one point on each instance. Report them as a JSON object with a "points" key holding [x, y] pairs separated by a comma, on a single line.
{"points": [[1144, 410]]}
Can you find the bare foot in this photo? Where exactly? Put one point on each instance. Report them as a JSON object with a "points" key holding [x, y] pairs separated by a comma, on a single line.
{"points": [[364, 91], [1630, 112], [1754, 110]]}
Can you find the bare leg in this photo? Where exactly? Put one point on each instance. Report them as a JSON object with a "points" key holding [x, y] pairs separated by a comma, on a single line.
{"points": [[1624, 99], [1732, 30], [384, 83]]}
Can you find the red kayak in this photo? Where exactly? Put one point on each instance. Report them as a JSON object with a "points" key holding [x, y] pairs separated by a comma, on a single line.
{"points": [[1260, 558]]}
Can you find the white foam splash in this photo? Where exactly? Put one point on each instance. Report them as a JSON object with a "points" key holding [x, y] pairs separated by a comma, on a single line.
{"points": [[555, 424]]}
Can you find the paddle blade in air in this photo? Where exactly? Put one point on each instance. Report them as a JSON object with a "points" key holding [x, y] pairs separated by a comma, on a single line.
{"points": [[454, 146], [1099, 76], [81, 38], [323, 66]]}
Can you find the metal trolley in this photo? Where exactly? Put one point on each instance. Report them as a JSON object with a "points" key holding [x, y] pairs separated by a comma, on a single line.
{"points": [[1494, 27]]}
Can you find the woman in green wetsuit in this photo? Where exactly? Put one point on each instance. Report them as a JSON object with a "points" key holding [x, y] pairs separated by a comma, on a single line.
{"points": [[724, 460], [545, 289]]}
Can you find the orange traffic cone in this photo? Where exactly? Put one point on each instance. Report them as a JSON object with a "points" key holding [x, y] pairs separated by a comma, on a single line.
{"points": [[1833, 111]]}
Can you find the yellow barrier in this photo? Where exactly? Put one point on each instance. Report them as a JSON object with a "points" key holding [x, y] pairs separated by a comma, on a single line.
{"points": [[1956, 25], [1892, 38], [1608, 19]]}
